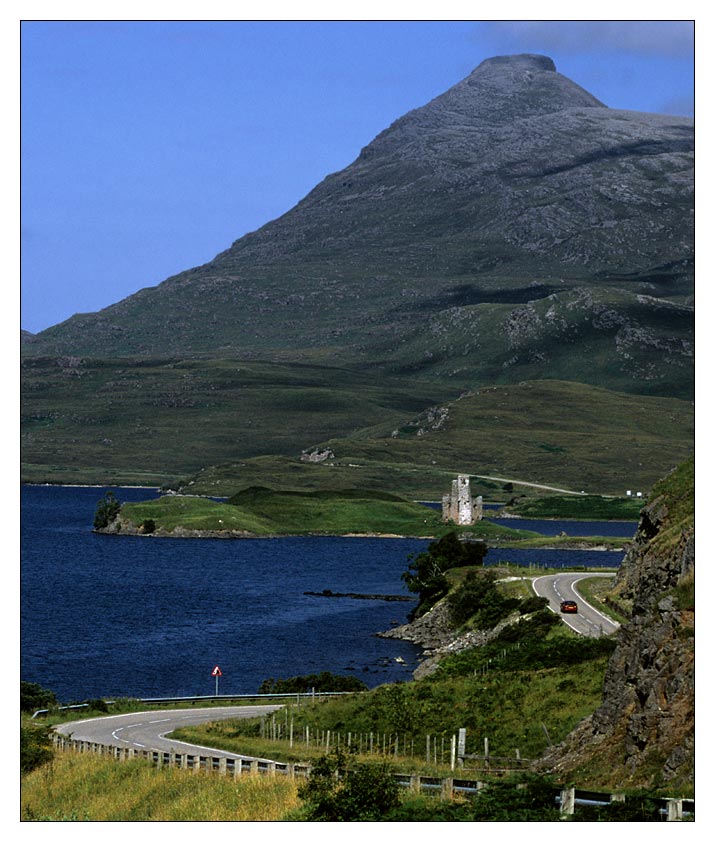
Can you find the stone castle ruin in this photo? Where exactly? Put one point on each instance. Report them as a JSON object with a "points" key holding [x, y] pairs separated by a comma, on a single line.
{"points": [[458, 507]]}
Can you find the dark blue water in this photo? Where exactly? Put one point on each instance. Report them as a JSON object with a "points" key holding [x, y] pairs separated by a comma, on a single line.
{"points": [[554, 558], [140, 617], [131, 616]]}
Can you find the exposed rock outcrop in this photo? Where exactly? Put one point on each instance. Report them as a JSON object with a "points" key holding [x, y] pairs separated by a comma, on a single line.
{"points": [[438, 639], [123, 526], [643, 732]]}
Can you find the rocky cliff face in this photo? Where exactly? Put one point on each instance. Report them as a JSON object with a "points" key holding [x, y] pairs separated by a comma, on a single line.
{"points": [[643, 732]]}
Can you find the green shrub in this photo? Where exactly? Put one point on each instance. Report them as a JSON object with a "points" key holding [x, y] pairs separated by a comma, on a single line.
{"points": [[639, 807], [479, 598], [324, 682], [339, 789], [34, 697], [532, 604], [530, 630], [521, 798], [429, 809], [35, 749]]}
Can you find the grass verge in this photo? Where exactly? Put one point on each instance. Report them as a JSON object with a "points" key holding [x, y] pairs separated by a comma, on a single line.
{"points": [[85, 787]]}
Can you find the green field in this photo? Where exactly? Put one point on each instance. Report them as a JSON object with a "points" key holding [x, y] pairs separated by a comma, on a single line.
{"points": [[155, 421], [581, 507]]}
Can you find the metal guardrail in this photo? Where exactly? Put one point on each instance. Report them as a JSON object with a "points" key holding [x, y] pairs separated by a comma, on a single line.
{"points": [[247, 697], [672, 809], [64, 707], [167, 700]]}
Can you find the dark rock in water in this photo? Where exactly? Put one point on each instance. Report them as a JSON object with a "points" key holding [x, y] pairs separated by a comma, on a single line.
{"points": [[386, 597]]}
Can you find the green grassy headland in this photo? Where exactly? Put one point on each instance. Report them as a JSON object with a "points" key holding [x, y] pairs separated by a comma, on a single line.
{"points": [[262, 512]]}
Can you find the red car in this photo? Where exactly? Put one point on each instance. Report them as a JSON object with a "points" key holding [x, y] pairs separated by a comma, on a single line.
{"points": [[568, 606]]}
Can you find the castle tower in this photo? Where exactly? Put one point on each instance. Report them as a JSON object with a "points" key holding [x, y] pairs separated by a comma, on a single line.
{"points": [[478, 509], [464, 501], [458, 507]]}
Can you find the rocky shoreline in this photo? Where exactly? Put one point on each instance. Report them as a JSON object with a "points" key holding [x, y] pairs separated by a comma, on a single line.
{"points": [[434, 634]]}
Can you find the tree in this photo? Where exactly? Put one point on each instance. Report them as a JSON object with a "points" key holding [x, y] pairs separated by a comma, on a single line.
{"points": [[425, 573], [107, 509]]}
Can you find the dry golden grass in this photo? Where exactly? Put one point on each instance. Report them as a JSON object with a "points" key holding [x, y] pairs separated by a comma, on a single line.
{"points": [[85, 787]]}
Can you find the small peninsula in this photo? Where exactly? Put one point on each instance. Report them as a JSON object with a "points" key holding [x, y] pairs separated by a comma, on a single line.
{"points": [[259, 512]]}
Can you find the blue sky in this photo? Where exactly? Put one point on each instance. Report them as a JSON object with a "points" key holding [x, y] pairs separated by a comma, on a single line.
{"points": [[149, 147]]}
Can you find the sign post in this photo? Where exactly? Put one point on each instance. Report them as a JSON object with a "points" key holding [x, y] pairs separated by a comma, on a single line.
{"points": [[217, 673]]}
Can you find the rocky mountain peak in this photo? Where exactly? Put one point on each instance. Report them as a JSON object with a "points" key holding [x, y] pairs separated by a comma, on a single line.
{"points": [[497, 96], [506, 88], [524, 61]]}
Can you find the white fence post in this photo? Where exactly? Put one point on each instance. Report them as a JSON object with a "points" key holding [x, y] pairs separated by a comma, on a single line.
{"points": [[568, 801], [675, 810]]}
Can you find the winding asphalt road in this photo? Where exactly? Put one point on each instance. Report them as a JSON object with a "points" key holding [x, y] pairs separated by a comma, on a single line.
{"points": [[147, 729], [589, 621]]}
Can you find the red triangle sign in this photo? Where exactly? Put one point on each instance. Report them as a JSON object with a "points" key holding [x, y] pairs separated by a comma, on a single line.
{"points": [[217, 671]]}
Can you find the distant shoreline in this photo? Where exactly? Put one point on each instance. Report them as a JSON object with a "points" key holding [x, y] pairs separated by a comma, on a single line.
{"points": [[85, 485]]}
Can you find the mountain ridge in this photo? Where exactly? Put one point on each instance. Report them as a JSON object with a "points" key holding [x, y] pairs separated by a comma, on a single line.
{"points": [[478, 186]]}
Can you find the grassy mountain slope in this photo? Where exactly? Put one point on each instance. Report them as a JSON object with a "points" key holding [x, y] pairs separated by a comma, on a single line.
{"points": [[154, 421], [513, 176], [565, 435]]}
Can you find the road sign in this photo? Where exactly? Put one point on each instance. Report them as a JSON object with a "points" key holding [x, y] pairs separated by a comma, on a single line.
{"points": [[216, 673]]}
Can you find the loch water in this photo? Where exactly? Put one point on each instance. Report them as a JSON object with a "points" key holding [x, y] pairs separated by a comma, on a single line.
{"points": [[105, 616]]}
